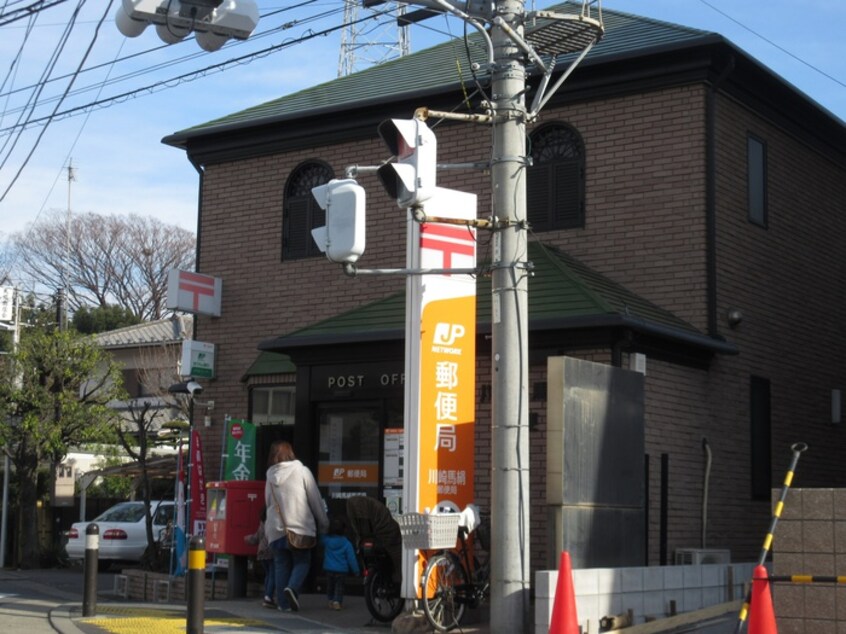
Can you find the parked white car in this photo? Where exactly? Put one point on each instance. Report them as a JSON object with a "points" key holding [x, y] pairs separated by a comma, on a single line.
{"points": [[123, 534]]}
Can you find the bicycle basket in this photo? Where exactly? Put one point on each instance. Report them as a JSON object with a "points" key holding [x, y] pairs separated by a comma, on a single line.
{"points": [[429, 531]]}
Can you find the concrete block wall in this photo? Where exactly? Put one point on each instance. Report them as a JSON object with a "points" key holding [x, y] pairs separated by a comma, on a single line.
{"points": [[650, 592], [153, 587], [810, 539]]}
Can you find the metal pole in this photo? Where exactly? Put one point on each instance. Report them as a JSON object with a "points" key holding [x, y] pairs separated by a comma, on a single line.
{"points": [[510, 576], [797, 449], [4, 520], [196, 585], [92, 552]]}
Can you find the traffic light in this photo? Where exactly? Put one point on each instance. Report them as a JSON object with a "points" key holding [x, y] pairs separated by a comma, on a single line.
{"points": [[342, 238], [411, 178], [215, 21]]}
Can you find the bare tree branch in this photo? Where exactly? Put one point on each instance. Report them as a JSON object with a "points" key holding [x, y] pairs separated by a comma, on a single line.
{"points": [[103, 260]]}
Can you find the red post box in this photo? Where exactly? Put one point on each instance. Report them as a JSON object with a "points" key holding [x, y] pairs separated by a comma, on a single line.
{"points": [[234, 510]]}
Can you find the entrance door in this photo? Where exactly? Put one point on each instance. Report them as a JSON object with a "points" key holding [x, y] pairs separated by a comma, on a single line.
{"points": [[350, 441]]}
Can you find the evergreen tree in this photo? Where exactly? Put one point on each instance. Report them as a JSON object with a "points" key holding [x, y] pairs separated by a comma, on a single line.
{"points": [[53, 395]]}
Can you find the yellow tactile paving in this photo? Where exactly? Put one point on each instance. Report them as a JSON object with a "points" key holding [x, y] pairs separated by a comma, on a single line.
{"points": [[152, 621]]}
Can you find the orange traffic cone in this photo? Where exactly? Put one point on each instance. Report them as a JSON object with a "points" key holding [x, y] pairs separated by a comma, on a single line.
{"points": [[564, 619], [761, 614]]}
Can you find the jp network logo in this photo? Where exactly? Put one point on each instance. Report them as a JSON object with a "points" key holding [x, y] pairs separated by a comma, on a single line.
{"points": [[447, 334]]}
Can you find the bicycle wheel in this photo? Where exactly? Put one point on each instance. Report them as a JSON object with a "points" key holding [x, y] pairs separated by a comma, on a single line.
{"points": [[443, 580], [382, 597]]}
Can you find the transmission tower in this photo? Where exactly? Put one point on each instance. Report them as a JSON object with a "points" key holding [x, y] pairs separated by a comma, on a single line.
{"points": [[371, 35]]}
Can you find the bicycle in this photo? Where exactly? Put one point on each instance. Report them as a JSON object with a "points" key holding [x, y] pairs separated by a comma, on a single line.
{"points": [[455, 580], [378, 540]]}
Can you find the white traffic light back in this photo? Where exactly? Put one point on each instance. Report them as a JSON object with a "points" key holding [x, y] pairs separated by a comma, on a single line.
{"points": [[342, 238], [411, 179], [214, 21]]}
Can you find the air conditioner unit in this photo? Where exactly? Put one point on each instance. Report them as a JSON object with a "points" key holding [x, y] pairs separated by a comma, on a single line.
{"points": [[700, 556]]}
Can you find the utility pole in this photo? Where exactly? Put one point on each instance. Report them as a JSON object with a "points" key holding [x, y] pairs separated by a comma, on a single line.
{"points": [[510, 572], [62, 295], [509, 49], [7, 464]]}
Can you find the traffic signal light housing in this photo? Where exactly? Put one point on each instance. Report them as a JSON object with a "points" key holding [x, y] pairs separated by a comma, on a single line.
{"points": [[411, 178], [214, 21], [342, 238]]}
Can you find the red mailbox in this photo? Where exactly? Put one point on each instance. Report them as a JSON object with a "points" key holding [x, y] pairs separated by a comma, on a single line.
{"points": [[234, 510]]}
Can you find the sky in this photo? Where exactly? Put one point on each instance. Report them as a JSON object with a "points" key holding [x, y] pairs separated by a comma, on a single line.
{"points": [[120, 165]]}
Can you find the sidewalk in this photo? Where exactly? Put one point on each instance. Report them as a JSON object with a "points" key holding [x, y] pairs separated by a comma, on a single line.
{"points": [[234, 616]]}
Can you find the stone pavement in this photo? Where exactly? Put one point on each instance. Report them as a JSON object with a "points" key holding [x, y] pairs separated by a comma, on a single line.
{"points": [[228, 617], [45, 601]]}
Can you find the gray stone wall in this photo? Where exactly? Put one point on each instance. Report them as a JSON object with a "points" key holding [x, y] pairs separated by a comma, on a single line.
{"points": [[810, 539]]}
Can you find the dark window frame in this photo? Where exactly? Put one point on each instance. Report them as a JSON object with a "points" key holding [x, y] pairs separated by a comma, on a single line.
{"points": [[263, 418], [760, 437], [300, 211], [555, 182], [757, 207]]}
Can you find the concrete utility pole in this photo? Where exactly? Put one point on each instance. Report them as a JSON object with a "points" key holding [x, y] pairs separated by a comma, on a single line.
{"points": [[510, 574], [62, 295], [553, 34]]}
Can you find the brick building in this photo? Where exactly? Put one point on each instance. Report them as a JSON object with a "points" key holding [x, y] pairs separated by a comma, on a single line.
{"points": [[684, 204]]}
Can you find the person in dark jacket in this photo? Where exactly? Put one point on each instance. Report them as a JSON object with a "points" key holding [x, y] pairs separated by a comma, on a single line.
{"points": [[338, 561], [370, 518], [265, 556]]}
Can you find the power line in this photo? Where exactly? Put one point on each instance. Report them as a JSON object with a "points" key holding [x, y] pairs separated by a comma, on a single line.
{"points": [[26, 121], [44, 129], [32, 101], [191, 56], [773, 44], [168, 83], [27, 11]]}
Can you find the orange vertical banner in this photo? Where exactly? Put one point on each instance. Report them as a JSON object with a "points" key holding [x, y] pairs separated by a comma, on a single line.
{"points": [[440, 397]]}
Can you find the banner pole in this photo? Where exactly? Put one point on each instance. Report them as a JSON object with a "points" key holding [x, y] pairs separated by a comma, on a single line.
{"points": [[224, 454]]}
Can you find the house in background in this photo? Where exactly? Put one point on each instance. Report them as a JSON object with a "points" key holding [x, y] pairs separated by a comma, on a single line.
{"points": [[687, 221], [150, 355]]}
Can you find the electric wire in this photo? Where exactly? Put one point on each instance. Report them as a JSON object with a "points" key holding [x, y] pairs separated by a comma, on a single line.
{"points": [[168, 83], [44, 129], [185, 77], [773, 44], [28, 11], [185, 58], [33, 99], [34, 223], [24, 123], [12, 73]]}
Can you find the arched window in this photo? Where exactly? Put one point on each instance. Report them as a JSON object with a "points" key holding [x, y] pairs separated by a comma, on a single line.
{"points": [[301, 213], [555, 184]]}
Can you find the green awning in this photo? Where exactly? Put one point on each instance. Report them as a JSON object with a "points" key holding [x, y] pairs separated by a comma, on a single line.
{"points": [[564, 295], [270, 363]]}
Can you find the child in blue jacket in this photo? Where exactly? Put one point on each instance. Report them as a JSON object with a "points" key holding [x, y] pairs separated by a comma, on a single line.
{"points": [[338, 561]]}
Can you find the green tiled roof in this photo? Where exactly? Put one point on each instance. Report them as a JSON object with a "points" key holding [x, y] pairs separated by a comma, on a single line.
{"points": [[270, 363], [564, 294], [441, 68]]}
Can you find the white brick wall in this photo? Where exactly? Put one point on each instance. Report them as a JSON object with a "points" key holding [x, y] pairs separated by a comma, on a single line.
{"points": [[647, 591]]}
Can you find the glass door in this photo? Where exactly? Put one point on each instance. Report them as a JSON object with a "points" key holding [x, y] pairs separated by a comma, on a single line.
{"points": [[350, 441]]}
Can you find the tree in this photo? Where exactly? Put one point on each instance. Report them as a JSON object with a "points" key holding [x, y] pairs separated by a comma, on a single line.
{"points": [[89, 321], [53, 395], [103, 260], [138, 431]]}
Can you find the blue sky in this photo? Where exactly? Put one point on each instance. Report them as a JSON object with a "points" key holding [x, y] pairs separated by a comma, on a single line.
{"points": [[121, 166]]}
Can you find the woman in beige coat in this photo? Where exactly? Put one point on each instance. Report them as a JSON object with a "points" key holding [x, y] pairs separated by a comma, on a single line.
{"points": [[293, 504]]}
